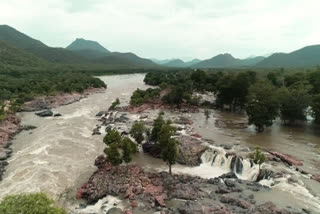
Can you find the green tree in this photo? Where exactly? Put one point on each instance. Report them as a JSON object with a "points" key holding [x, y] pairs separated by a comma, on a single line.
{"points": [[294, 102], [207, 113], [169, 153], [157, 124], [2, 111], [167, 144], [33, 203], [113, 155], [258, 157], [263, 106], [166, 132], [114, 104], [316, 108], [128, 150], [137, 131], [112, 137]]}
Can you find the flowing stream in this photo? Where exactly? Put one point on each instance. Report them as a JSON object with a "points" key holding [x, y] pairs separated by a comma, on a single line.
{"points": [[60, 153]]}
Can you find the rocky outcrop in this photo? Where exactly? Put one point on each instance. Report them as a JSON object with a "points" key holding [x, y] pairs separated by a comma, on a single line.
{"points": [[286, 158], [190, 151], [153, 191], [316, 177], [48, 102], [231, 124], [45, 113], [8, 128], [269, 208]]}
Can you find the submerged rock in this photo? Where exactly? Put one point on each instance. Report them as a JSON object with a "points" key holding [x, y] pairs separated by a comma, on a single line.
{"points": [[45, 113], [57, 115], [287, 158], [28, 127]]}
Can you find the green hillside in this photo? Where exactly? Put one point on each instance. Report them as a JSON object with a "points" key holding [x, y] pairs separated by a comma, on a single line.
{"points": [[12, 56], [306, 57]]}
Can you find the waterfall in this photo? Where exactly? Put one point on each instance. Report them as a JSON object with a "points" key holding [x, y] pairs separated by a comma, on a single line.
{"points": [[243, 168]]}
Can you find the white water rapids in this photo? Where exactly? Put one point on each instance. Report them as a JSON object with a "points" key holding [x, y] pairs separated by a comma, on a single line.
{"points": [[60, 153]]}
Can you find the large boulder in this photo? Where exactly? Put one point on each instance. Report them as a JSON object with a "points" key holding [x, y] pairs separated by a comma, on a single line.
{"points": [[45, 113], [190, 151], [269, 208], [286, 158]]}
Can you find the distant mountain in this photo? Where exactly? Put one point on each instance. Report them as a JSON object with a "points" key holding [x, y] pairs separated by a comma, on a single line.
{"points": [[219, 61], [22, 41], [192, 62], [18, 39], [252, 60], [161, 62], [12, 56], [87, 48], [125, 59], [175, 63], [306, 57], [82, 44]]}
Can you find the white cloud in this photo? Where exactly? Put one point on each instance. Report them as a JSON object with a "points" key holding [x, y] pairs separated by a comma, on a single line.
{"points": [[170, 28]]}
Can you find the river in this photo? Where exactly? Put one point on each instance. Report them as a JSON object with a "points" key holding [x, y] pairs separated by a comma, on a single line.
{"points": [[60, 152]]}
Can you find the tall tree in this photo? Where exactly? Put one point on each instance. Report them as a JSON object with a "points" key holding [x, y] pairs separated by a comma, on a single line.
{"points": [[168, 145], [157, 124], [112, 137], [128, 150], [263, 105], [137, 131], [113, 155], [294, 102], [316, 108], [169, 153]]}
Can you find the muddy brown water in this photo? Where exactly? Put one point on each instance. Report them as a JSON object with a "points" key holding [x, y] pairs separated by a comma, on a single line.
{"points": [[60, 153]]}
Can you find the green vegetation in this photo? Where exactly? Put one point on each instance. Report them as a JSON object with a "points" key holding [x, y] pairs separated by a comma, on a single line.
{"points": [[140, 96], [128, 150], [2, 111], [263, 94], [137, 131], [258, 157], [113, 155], [34, 203], [169, 153], [162, 133], [114, 104], [207, 113], [21, 86], [157, 125], [112, 137], [294, 102], [316, 108], [262, 107]]}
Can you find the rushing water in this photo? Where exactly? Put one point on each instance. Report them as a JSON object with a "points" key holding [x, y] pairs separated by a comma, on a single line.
{"points": [[60, 153]]}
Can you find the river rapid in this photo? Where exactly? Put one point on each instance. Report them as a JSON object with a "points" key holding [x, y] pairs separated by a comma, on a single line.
{"points": [[60, 152]]}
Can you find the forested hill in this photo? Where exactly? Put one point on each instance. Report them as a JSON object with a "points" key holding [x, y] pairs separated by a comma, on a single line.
{"points": [[81, 52], [22, 41], [13, 57], [219, 61], [306, 57], [82, 44]]}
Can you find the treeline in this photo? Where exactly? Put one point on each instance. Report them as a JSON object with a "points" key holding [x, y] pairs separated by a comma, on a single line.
{"points": [[263, 95], [21, 86]]}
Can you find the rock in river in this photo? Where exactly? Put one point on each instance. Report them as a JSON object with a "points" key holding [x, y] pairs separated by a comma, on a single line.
{"points": [[45, 113]]}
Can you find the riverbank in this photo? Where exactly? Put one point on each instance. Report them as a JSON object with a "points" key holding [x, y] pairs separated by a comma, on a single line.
{"points": [[11, 125]]}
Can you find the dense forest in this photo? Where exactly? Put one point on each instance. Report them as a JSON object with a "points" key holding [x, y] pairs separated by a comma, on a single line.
{"points": [[264, 96]]}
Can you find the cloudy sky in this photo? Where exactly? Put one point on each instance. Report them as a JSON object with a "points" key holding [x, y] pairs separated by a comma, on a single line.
{"points": [[171, 28]]}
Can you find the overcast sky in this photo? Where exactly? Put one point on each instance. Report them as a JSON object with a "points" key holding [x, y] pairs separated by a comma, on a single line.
{"points": [[171, 28]]}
